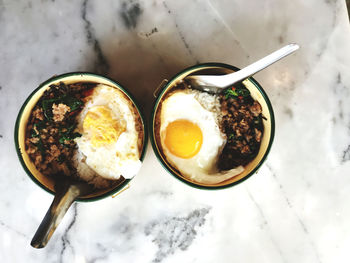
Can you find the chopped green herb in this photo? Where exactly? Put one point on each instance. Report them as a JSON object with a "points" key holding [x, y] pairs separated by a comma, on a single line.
{"points": [[40, 125], [243, 92], [47, 107], [61, 158], [257, 122], [63, 87], [40, 146], [75, 135], [33, 133], [236, 92], [240, 138], [229, 93], [72, 102], [67, 136]]}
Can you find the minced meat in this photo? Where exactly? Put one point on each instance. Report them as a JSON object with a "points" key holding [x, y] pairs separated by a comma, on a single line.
{"points": [[59, 111], [242, 124], [50, 129]]}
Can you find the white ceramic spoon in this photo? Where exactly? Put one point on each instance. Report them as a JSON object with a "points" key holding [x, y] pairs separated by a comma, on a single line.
{"points": [[215, 83]]}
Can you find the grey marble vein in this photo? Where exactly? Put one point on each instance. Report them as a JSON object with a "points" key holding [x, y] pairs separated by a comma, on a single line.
{"points": [[101, 63], [300, 221], [346, 155], [184, 41], [342, 116], [2, 224], [225, 24], [266, 224], [65, 239], [171, 234], [130, 13]]}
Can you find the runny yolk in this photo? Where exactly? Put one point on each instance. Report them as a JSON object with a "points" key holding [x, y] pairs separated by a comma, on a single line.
{"points": [[183, 138]]}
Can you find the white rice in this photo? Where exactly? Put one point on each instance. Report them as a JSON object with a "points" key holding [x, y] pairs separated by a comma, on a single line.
{"points": [[87, 174], [209, 102]]}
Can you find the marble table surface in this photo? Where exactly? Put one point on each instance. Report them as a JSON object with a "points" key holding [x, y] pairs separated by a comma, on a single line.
{"points": [[294, 210]]}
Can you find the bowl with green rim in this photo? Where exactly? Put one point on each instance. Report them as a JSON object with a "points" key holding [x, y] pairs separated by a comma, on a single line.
{"points": [[68, 191], [257, 93], [46, 182]]}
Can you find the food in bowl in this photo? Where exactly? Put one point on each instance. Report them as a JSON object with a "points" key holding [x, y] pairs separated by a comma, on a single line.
{"points": [[208, 138], [89, 131]]}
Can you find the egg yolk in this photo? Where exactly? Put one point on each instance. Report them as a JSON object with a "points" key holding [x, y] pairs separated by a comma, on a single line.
{"points": [[102, 127], [183, 138]]}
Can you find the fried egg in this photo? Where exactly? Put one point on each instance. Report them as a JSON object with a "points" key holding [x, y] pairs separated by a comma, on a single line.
{"points": [[109, 140], [190, 136]]}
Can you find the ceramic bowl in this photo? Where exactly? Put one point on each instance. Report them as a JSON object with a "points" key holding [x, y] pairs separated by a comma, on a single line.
{"points": [[46, 182], [257, 93]]}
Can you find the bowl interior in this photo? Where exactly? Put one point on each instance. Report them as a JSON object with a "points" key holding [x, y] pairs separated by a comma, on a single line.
{"points": [[256, 92], [47, 182]]}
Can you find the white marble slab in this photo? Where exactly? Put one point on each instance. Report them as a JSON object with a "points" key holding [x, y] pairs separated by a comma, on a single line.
{"points": [[294, 210]]}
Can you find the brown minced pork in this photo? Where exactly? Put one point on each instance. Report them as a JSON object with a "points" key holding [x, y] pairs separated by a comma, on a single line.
{"points": [[50, 128], [242, 124]]}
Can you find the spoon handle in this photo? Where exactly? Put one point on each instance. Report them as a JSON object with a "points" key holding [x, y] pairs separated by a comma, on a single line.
{"points": [[261, 64], [229, 79], [61, 203]]}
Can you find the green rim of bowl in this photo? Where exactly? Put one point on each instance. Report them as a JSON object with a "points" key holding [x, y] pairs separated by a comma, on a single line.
{"points": [[165, 165], [57, 78]]}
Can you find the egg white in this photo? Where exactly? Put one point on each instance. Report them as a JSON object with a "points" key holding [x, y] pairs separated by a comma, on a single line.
{"points": [[181, 105], [119, 158], [203, 166]]}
